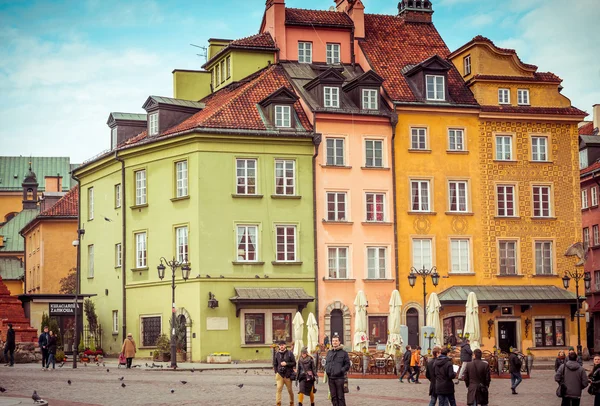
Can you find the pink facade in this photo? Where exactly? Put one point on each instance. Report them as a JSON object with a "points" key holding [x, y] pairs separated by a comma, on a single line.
{"points": [[319, 40]]}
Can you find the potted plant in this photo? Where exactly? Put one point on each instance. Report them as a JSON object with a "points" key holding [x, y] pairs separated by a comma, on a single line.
{"points": [[530, 358], [163, 349]]}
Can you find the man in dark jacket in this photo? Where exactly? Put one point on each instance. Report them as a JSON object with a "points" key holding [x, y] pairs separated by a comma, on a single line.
{"points": [[406, 360], [429, 374], [443, 371], [283, 365], [43, 341], [574, 377], [514, 367], [337, 364], [477, 380], [9, 346], [466, 356]]}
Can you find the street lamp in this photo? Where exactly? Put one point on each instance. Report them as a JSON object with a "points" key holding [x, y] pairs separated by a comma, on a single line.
{"points": [[423, 273], [587, 279], [185, 274]]}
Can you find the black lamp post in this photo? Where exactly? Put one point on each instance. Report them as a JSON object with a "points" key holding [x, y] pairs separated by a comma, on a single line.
{"points": [[587, 280], [185, 273], [423, 273]]}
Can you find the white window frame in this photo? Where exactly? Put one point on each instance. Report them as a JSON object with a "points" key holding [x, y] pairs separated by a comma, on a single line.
{"points": [[539, 148], [118, 193], [506, 249], [456, 139], [333, 148], [331, 96], [182, 244], [422, 194], [583, 159], [246, 176], [374, 212], [228, 62], [153, 124], [503, 96], [373, 154], [538, 192], [540, 249], [304, 52], [504, 146], [91, 261], [283, 116], [523, 97], [140, 187], [337, 214], [594, 195], [333, 54], [584, 199], [595, 235], [459, 262], [419, 247], [285, 228], [181, 178], [281, 172], [141, 250], [115, 322], [436, 89], [586, 237], [375, 256], [502, 207], [336, 262], [90, 203], [418, 137], [118, 255], [245, 230], [467, 65], [369, 99], [113, 138], [462, 197], [597, 280]]}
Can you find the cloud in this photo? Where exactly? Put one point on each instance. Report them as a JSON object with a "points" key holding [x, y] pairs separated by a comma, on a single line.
{"points": [[479, 20]]}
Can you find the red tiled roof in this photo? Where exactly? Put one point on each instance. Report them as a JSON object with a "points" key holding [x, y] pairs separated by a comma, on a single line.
{"points": [[135, 139], [587, 129], [567, 111], [296, 16], [537, 77], [591, 168], [391, 44], [66, 206], [481, 38], [263, 40]]}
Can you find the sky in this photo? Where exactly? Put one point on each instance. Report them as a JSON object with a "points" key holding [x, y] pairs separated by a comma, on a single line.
{"points": [[65, 65]]}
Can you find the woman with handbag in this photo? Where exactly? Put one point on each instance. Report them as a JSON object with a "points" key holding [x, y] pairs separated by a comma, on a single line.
{"points": [[129, 349], [307, 377], [594, 376]]}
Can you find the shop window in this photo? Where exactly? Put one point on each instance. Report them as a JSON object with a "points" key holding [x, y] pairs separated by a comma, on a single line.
{"points": [[254, 328], [378, 330], [549, 333], [453, 330], [282, 327]]}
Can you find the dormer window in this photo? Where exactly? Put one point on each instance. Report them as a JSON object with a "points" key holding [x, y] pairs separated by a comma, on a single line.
{"points": [[523, 97], [333, 54], [369, 99], [113, 138], [153, 124], [435, 87], [467, 65], [503, 96], [305, 52], [332, 96], [283, 116]]}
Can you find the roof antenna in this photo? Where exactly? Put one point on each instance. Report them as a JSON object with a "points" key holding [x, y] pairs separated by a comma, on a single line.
{"points": [[203, 53]]}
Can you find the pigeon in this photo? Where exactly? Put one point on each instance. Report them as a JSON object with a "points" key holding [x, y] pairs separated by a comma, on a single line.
{"points": [[121, 378], [184, 382], [61, 365], [123, 385], [241, 385], [103, 364], [193, 370], [266, 276], [85, 364], [69, 381], [107, 219], [35, 397], [2, 390], [357, 388], [137, 366], [146, 365], [107, 370], [172, 390], [208, 276], [257, 277], [221, 276], [246, 371], [198, 276], [97, 364]]}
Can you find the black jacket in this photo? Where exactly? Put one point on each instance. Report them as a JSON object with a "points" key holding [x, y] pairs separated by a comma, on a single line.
{"points": [[290, 363], [10, 340], [43, 340], [444, 375], [406, 358], [514, 363], [52, 345], [337, 363], [558, 363], [430, 374], [595, 379], [477, 373], [466, 353]]}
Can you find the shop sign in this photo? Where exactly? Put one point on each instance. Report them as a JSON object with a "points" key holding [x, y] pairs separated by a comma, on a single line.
{"points": [[62, 309]]}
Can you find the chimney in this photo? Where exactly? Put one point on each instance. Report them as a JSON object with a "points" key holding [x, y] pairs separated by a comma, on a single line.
{"points": [[415, 11], [53, 183], [356, 11], [596, 114], [49, 199], [275, 24]]}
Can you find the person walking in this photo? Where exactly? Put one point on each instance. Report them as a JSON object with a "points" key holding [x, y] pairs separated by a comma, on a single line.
{"points": [[283, 364], [514, 367], [477, 380], [415, 365], [9, 347], [579, 359], [560, 359], [51, 350], [573, 376], [129, 349], [466, 356], [429, 374], [443, 371], [594, 376], [43, 343], [406, 358], [337, 364], [307, 377]]}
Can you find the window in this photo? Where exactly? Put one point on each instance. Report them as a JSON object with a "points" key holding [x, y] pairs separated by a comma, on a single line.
{"points": [[508, 257], [550, 333], [153, 124], [543, 258], [140, 187], [333, 54], [376, 262], [374, 153], [254, 328], [503, 96], [118, 255], [115, 322], [218, 74], [117, 196], [283, 117], [419, 190], [305, 52], [247, 243], [113, 138], [285, 177], [503, 147], [228, 62], [421, 253], [336, 206], [467, 65], [435, 87], [90, 203], [222, 64], [181, 174], [181, 241], [457, 194], [378, 327], [375, 206], [597, 280], [523, 97], [418, 138], [583, 159], [151, 328], [460, 255], [594, 191], [539, 149], [286, 243], [332, 96], [505, 198], [453, 326], [338, 262], [541, 201], [456, 139], [140, 250], [595, 235], [586, 237], [246, 176], [584, 199], [266, 326], [90, 261], [282, 327], [369, 99], [335, 151]]}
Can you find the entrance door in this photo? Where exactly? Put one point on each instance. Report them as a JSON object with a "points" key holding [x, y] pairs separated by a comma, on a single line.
{"points": [[337, 324], [508, 335], [412, 322]]}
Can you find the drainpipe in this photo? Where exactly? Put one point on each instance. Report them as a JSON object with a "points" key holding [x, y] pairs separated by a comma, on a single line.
{"points": [[393, 123], [352, 56], [76, 336], [123, 243], [316, 142]]}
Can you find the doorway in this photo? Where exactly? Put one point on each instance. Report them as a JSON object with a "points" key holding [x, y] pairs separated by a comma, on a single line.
{"points": [[507, 338], [412, 322], [337, 324]]}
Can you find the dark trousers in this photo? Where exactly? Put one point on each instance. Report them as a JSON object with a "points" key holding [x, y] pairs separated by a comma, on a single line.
{"points": [[407, 370], [445, 400], [515, 379], [433, 400], [44, 357], [336, 389], [51, 360], [570, 401], [129, 361], [597, 399], [416, 370], [9, 356]]}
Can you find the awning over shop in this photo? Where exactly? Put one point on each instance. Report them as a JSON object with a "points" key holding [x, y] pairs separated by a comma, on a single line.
{"points": [[507, 295], [251, 297]]}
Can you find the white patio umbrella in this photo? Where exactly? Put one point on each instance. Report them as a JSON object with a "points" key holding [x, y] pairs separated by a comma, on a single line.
{"points": [[433, 319], [394, 338], [298, 327], [472, 321], [312, 334], [360, 322]]}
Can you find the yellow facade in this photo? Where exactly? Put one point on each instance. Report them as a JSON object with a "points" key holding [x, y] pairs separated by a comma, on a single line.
{"points": [[10, 204], [191, 84]]}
